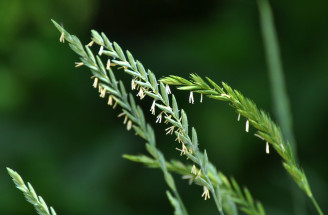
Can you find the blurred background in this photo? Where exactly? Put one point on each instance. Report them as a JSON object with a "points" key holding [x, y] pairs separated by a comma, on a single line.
{"points": [[60, 136]]}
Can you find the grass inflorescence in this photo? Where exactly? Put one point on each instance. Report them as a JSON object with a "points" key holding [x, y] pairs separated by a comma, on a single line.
{"points": [[147, 85], [30, 194], [267, 130], [105, 81]]}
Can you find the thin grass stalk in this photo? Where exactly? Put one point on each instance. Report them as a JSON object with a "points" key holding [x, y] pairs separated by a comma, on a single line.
{"points": [[278, 89], [275, 71]]}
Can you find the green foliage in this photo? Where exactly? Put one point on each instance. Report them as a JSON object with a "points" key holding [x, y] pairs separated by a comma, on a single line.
{"points": [[30, 194]]}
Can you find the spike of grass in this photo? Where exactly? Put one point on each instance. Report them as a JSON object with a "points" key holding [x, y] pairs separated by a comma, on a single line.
{"points": [[266, 128], [134, 115], [147, 87], [30, 194]]}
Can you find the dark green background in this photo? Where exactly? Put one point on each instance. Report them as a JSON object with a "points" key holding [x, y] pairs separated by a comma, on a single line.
{"points": [[59, 135]]}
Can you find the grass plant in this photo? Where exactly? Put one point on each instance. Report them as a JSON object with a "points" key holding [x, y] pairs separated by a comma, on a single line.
{"points": [[193, 163]]}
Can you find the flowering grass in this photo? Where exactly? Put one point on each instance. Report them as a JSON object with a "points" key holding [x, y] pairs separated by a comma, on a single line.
{"points": [[30, 194], [225, 192]]}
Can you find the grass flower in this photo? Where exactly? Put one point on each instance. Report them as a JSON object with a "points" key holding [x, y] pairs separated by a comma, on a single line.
{"points": [[95, 83], [62, 37], [194, 169], [30, 194], [170, 129], [78, 64], [91, 43], [206, 193], [152, 108]]}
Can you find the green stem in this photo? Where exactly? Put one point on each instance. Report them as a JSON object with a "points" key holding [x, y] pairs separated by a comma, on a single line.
{"points": [[316, 205], [278, 89], [277, 81], [181, 202], [217, 203]]}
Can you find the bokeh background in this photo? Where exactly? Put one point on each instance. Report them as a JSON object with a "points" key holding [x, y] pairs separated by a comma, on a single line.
{"points": [[58, 134]]}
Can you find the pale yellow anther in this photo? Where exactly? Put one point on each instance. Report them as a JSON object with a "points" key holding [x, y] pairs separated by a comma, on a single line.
{"points": [[62, 37], [178, 138], [183, 151], [141, 93], [152, 108], [170, 129], [194, 170], [267, 148], [129, 125], [121, 114], [91, 43], [95, 83], [101, 50], [78, 64], [125, 120], [114, 106], [108, 64], [103, 93], [159, 118], [133, 84], [110, 100], [206, 193], [198, 174]]}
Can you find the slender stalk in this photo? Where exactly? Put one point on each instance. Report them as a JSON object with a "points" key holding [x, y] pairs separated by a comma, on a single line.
{"points": [[275, 69], [316, 205], [278, 89]]}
